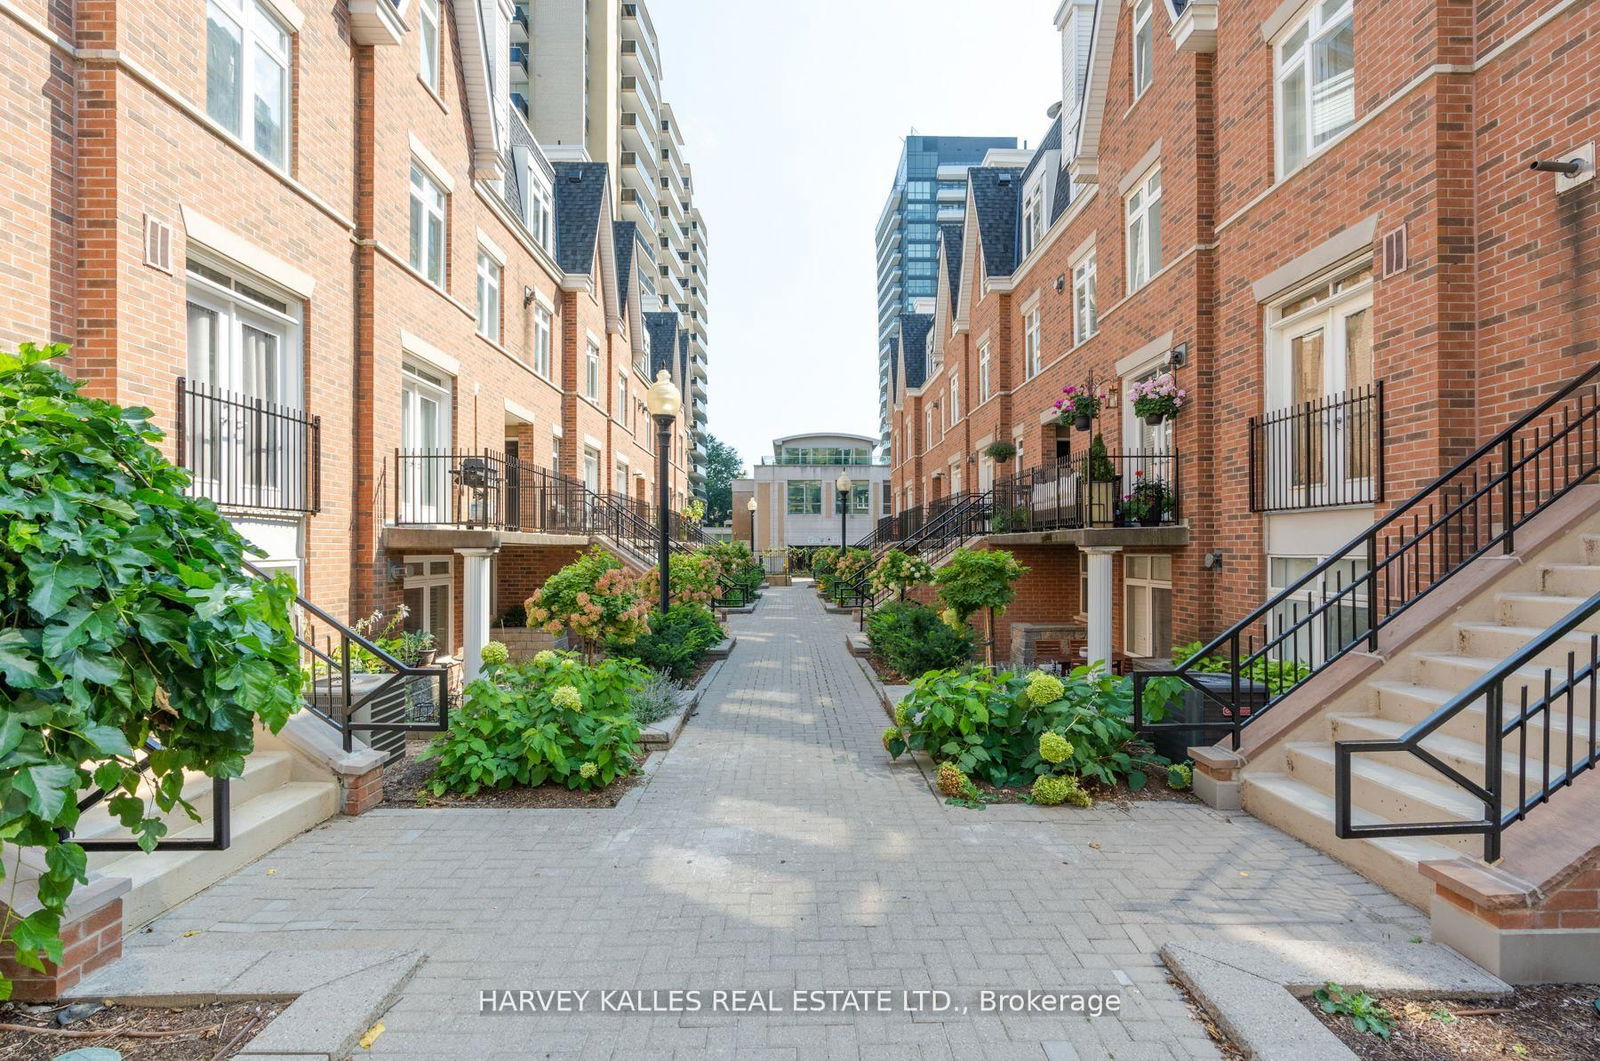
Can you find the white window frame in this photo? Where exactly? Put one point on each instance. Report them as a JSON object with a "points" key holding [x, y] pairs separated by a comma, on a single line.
{"points": [[428, 583], [429, 203], [953, 403], [1313, 646], [538, 209], [591, 371], [246, 22], [621, 412], [430, 43], [1293, 53], [491, 276], [1032, 343], [1143, 43], [927, 430], [543, 325], [1143, 236], [984, 392], [591, 469], [1085, 307], [1033, 224], [1145, 438], [1140, 583], [425, 491]]}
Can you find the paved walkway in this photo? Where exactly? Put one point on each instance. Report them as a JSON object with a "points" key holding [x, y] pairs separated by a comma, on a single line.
{"points": [[777, 848]]}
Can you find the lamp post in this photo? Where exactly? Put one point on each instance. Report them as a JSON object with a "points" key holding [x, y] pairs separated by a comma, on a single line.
{"points": [[664, 400], [844, 486], [751, 507]]}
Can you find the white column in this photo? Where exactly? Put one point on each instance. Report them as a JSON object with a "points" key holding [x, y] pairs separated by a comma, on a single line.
{"points": [[477, 596], [1098, 557]]}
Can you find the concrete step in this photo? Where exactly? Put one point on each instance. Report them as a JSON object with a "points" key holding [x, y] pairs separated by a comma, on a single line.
{"points": [[1384, 788], [1582, 580], [1451, 672], [264, 770], [1501, 642], [1460, 753], [163, 879], [1307, 813], [1591, 548], [1541, 610], [1404, 705]]}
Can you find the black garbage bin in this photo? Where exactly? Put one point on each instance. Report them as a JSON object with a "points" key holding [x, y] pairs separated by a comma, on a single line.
{"points": [[1196, 707]]}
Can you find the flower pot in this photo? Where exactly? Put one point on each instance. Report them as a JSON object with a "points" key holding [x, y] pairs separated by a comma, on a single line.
{"points": [[427, 657], [1083, 423], [1155, 419], [1150, 519], [1101, 507]]}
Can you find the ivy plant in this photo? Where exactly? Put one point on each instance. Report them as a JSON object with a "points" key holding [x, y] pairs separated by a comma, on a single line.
{"points": [[129, 631]]}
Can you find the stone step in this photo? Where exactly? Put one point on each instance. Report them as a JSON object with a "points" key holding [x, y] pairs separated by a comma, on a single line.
{"points": [[1465, 754], [1581, 580], [1304, 812], [1500, 642], [264, 770], [1387, 790], [1452, 672], [163, 879], [1541, 610]]}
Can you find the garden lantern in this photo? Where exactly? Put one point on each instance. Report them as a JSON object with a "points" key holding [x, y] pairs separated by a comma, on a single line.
{"points": [[664, 400]]}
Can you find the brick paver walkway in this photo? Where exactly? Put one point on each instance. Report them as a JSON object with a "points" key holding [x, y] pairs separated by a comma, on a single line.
{"points": [[777, 848]]}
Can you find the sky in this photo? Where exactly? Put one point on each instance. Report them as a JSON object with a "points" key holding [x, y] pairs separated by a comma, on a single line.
{"points": [[793, 118]]}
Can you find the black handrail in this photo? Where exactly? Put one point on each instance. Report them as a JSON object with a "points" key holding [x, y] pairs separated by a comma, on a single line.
{"points": [[247, 452], [1345, 600], [221, 818], [1578, 684]]}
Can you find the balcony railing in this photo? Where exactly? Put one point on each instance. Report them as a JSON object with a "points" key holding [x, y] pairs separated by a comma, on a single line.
{"points": [[820, 461], [1117, 490], [1319, 454], [486, 489], [244, 452]]}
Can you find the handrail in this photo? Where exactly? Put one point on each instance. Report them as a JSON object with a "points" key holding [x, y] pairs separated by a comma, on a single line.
{"points": [[1456, 518], [1491, 690]]}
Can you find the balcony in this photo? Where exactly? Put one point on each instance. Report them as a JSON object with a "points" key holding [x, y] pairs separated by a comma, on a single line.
{"points": [[1320, 454], [1118, 490], [486, 490], [243, 452], [639, 58]]}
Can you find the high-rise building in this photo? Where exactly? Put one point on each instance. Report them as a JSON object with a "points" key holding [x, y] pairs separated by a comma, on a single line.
{"points": [[594, 93], [930, 186]]}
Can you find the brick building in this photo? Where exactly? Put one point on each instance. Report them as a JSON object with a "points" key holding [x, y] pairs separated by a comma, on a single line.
{"points": [[413, 352]]}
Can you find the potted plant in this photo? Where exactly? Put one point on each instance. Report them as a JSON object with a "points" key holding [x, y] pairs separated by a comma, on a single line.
{"points": [[1103, 485], [1147, 503], [1000, 452], [1080, 405], [1157, 398]]}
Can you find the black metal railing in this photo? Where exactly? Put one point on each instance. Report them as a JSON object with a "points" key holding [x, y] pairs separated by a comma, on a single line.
{"points": [[246, 452], [1344, 602], [487, 489], [1112, 490], [1539, 733], [220, 820], [1319, 454]]}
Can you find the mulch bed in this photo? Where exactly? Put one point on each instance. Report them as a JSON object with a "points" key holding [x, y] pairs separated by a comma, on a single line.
{"points": [[403, 786], [1154, 791], [887, 674], [1547, 1022], [195, 1033]]}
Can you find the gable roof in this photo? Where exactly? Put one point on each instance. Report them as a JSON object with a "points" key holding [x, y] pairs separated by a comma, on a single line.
{"points": [[624, 233], [996, 195], [663, 329], [580, 198], [951, 234], [914, 328], [1051, 142]]}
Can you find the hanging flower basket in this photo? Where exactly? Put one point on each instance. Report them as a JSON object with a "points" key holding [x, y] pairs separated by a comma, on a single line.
{"points": [[1157, 399], [1155, 419], [1078, 405]]}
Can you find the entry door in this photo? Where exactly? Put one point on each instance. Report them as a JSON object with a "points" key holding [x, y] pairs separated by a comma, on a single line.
{"points": [[424, 442]]}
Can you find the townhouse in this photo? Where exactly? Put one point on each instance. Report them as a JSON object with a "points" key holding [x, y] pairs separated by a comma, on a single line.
{"points": [[405, 351], [1320, 220]]}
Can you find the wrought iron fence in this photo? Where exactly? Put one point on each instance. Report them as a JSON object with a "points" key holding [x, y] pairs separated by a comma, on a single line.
{"points": [[1319, 454], [246, 452], [487, 489], [1110, 490]]}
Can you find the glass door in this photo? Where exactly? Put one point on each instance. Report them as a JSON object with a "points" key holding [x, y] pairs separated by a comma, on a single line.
{"points": [[424, 445]]}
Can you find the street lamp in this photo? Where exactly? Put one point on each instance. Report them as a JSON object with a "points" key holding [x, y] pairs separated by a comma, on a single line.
{"points": [[844, 486], [664, 400], [751, 507]]}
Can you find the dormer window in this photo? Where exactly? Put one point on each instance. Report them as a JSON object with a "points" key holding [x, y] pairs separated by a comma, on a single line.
{"points": [[1033, 218]]}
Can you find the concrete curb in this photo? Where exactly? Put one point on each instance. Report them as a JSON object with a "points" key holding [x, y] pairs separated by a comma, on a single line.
{"points": [[337, 995], [1252, 990], [663, 734]]}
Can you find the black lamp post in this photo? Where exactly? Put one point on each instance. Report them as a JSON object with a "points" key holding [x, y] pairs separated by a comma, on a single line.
{"points": [[750, 506], [664, 400], [844, 486]]}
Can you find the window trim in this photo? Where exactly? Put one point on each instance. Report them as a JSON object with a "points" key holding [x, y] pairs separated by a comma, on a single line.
{"points": [[1311, 18], [1086, 264], [984, 382], [1141, 188], [491, 278], [591, 371], [1147, 28], [429, 583], [1032, 342], [416, 200], [543, 328], [242, 14], [430, 16]]}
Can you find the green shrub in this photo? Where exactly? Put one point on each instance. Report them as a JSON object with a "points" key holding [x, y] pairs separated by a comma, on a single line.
{"points": [[675, 645], [1052, 791], [126, 616], [973, 580], [595, 598], [989, 725], [898, 571], [1278, 675], [1180, 776], [655, 699], [554, 719], [913, 640]]}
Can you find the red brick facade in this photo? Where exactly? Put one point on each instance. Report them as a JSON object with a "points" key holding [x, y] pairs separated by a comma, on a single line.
{"points": [[1493, 306], [104, 125]]}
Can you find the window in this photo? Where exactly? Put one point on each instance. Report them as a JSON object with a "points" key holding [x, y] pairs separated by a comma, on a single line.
{"points": [[804, 497], [1032, 344], [1143, 53], [1146, 437], [927, 430], [244, 348], [426, 592], [591, 372], [1316, 64], [427, 226], [621, 411], [541, 341], [1085, 317], [591, 469], [860, 499], [537, 209], [1147, 604], [424, 436], [555, 454], [983, 373], [1033, 223], [428, 35], [247, 75], [954, 402], [1144, 230], [1313, 629], [488, 297], [888, 498]]}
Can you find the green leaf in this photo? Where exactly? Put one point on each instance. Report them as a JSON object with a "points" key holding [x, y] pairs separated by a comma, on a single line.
{"points": [[18, 659], [107, 740], [46, 788]]}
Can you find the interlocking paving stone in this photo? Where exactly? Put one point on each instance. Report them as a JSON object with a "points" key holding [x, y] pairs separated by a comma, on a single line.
{"points": [[775, 846]]}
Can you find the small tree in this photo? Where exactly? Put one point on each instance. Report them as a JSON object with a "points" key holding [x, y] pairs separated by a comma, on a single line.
{"points": [[127, 621], [595, 599], [976, 580], [899, 571]]}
